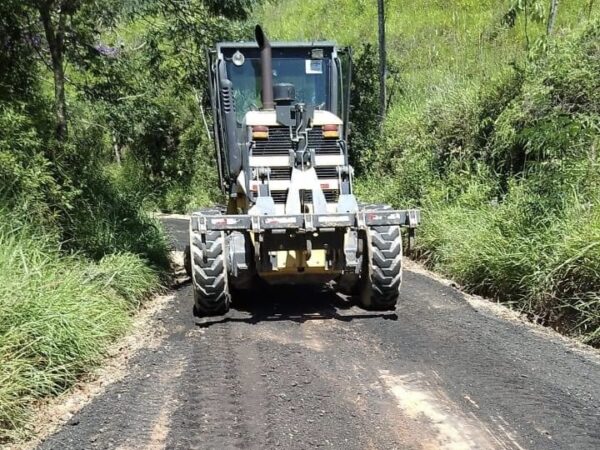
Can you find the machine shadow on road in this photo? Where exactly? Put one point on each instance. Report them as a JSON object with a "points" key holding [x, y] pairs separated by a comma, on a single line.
{"points": [[294, 304]]}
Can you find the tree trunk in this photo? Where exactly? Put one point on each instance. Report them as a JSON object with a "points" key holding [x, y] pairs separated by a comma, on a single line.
{"points": [[552, 16], [117, 149], [55, 36], [526, 24], [382, 60]]}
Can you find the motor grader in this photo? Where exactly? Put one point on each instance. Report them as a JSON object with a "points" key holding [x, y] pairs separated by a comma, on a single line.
{"points": [[281, 129]]}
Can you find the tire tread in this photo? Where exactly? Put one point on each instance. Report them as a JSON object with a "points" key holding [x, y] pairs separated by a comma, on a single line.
{"points": [[210, 283]]}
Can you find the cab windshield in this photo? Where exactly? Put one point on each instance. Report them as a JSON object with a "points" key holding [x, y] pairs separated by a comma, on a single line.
{"points": [[309, 77]]}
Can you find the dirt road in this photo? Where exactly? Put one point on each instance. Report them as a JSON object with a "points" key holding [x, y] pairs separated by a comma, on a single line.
{"points": [[302, 369]]}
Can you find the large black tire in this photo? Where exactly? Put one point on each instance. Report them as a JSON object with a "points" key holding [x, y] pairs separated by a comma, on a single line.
{"points": [[381, 274], [351, 284], [209, 274]]}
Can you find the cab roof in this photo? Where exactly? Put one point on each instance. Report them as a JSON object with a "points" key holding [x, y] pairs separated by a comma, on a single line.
{"points": [[278, 44]]}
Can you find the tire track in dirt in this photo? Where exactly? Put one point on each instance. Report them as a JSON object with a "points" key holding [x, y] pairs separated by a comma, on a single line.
{"points": [[209, 415], [257, 398]]}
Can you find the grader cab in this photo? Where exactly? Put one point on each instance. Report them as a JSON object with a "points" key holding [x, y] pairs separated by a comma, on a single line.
{"points": [[280, 115]]}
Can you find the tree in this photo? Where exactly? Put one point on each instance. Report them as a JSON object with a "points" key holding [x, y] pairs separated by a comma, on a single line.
{"points": [[552, 16], [533, 10], [382, 59], [195, 25], [364, 114], [17, 56], [53, 16], [66, 25]]}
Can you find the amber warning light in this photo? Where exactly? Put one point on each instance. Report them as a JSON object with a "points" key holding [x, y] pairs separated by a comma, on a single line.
{"points": [[331, 131], [260, 132]]}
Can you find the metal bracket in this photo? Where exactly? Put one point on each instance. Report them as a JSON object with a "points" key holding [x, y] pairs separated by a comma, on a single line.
{"points": [[255, 223], [309, 224], [351, 251], [202, 224], [361, 221], [194, 223], [412, 238], [413, 222], [413, 218]]}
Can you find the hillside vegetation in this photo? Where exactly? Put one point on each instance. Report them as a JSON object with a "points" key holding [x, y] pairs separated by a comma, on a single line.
{"points": [[493, 130]]}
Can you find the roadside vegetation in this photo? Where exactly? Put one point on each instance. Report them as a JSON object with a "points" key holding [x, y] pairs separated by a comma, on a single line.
{"points": [[100, 123], [58, 314], [493, 130]]}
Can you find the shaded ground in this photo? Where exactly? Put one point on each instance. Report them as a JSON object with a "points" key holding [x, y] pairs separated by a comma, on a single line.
{"points": [[303, 368]]}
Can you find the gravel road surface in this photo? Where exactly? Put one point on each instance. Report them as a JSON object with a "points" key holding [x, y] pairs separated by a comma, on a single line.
{"points": [[301, 368]]}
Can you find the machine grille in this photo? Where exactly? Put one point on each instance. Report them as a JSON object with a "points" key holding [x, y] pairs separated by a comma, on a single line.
{"points": [[226, 99], [279, 196], [281, 173], [285, 173], [327, 172], [320, 144], [280, 143], [331, 196]]}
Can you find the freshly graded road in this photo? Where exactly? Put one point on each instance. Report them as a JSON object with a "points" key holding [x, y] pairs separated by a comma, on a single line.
{"points": [[299, 368]]}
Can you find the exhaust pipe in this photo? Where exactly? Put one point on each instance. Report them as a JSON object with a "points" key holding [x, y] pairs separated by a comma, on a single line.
{"points": [[266, 68]]}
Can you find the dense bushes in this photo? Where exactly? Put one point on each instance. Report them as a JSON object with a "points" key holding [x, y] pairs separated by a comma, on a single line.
{"points": [[169, 162], [76, 257], [57, 315], [69, 196], [80, 171], [153, 99], [26, 179], [508, 176]]}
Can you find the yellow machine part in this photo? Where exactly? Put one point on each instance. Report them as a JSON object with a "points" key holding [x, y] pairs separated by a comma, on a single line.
{"points": [[291, 260], [293, 268]]}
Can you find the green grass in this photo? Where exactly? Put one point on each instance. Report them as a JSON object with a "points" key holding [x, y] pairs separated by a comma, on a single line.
{"points": [[507, 176], [495, 139], [551, 271], [434, 45], [58, 314]]}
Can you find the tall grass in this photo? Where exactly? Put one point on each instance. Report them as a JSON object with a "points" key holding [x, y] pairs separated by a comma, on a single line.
{"points": [[57, 315], [550, 270], [434, 46], [508, 177]]}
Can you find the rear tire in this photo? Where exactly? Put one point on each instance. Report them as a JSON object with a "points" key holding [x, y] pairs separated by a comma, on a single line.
{"points": [[381, 274], [209, 273]]}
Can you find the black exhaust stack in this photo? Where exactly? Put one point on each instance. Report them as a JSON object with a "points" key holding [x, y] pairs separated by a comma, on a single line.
{"points": [[266, 68]]}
